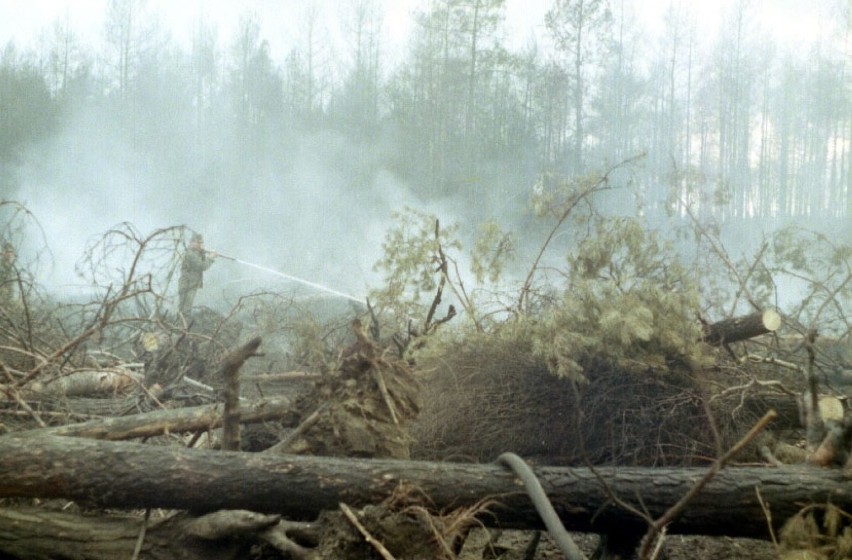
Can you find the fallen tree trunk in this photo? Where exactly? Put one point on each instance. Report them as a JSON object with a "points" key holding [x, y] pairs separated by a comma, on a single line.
{"points": [[37, 533], [127, 475], [88, 382], [742, 328], [181, 420]]}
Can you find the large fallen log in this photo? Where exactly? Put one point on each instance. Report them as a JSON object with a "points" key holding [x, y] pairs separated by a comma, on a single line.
{"points": [[128, 475]]}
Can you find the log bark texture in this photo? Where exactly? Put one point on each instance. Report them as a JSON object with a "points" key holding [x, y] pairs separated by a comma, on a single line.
{"points": [[742, 328], [127, 475]]}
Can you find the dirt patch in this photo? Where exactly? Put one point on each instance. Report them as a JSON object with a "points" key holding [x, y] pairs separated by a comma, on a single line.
{"points": [[403, 535], [527, 545]]}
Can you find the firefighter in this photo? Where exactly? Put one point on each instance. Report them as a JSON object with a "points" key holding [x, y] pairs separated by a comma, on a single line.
{"points": [[195, 261]]}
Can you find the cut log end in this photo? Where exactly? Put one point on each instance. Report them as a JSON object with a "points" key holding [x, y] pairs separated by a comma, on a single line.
{"points": [[742, 328], [771, 320]]}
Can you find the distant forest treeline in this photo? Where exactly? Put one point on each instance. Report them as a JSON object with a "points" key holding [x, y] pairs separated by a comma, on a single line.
{"points": [[739, 117]]}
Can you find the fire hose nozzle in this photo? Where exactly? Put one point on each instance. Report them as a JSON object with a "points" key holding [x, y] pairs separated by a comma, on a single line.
{"points": [[226, 257]]}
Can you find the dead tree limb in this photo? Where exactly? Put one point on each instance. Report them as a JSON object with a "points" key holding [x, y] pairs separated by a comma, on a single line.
{"points": [[176, 421], [101, 321], [128, 475], [230, 372]]}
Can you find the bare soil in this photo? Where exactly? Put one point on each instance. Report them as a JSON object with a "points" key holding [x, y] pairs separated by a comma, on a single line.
{"points": [[518, 545]]}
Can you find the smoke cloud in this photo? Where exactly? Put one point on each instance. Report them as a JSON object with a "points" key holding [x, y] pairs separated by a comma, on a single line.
{"points": [[302, 214]]}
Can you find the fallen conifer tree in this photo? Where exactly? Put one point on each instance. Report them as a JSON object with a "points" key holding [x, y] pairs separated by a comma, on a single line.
{"points": [[129, 475]]}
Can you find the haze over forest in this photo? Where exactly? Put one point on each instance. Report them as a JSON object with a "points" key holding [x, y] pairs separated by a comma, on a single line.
{"points": [[296, 160]]}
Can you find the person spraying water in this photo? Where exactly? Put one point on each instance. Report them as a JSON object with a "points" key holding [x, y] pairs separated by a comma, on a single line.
{"points": [[196, 260]]}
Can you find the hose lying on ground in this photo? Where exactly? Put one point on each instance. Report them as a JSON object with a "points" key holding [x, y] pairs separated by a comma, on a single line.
{"points": [[542, 505]]}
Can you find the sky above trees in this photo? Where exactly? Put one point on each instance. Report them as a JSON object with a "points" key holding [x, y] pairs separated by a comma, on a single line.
{"points": [[798, 21]]}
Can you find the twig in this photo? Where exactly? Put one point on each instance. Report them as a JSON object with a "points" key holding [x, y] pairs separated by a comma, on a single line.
{"points": [[380, 548], [383, 388], [27, 353], [673, 512], [283, 445], [427, 518], [749, 274], [430, 324], [658, 547], [832, 297], [722, 253], [108, 309], [13, 392], [770, 457], [769, 360], [768, 514], [442, 268], [711, 420], [141, 539], [754, 383]]}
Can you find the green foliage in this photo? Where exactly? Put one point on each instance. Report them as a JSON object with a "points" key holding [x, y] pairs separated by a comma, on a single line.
{"points": [[410, 257], [555, 196], [420, 269], [628, 304], [493, 248]]}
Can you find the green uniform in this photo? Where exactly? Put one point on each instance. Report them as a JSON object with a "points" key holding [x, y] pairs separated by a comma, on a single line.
{"points": [[195, 262]]}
